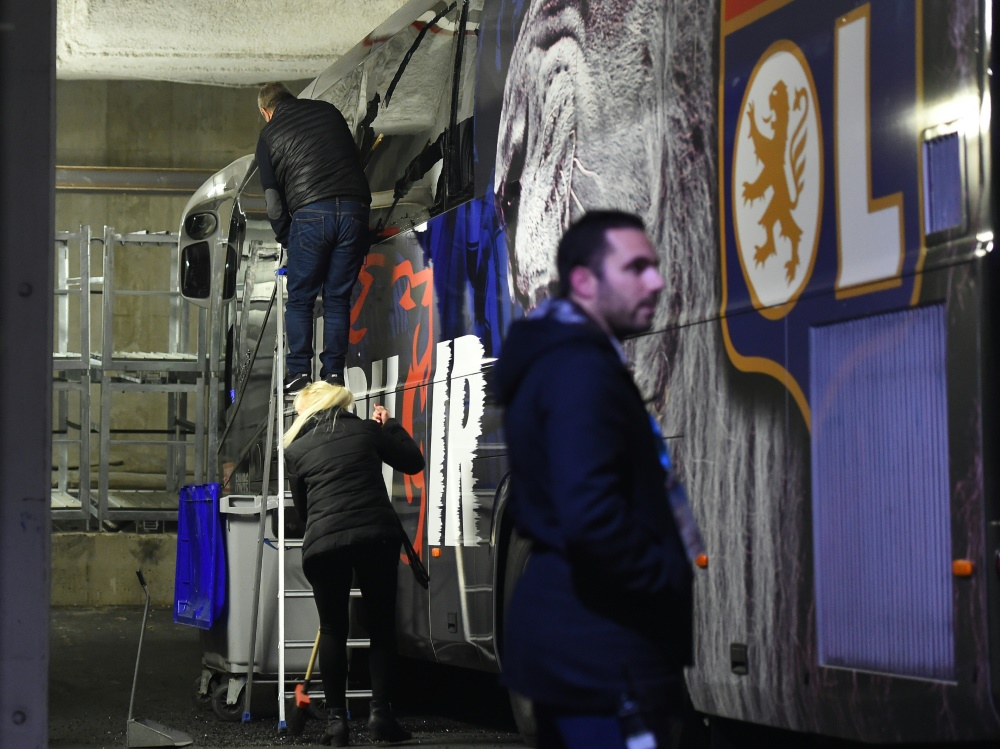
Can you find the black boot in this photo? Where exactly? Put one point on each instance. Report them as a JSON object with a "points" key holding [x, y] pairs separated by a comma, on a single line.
{"points": [[382, 724], [337, 732]]}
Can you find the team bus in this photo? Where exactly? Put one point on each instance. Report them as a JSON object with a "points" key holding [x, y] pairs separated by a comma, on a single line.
{"points": [[817, 178]]}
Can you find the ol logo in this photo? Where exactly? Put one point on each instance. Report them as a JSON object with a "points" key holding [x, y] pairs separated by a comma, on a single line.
{"points": [[777, 185]]}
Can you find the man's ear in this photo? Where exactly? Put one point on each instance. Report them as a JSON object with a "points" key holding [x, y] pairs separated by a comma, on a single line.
{"points": [[583, 282]]}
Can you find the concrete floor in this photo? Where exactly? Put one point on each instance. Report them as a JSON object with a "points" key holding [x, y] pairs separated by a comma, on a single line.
{"points": [[92, 662]]}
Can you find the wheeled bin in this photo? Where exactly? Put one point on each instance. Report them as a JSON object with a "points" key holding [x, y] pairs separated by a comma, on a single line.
{"points": [[225, 637]]}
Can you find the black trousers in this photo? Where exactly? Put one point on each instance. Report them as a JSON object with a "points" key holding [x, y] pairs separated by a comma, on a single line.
{"points": [[331, 575]]}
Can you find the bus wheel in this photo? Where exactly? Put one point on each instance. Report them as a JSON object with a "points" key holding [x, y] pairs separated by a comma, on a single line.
{"points": [[518, 551]]}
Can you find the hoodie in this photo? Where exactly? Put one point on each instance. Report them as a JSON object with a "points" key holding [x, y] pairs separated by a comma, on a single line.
{"points": [[604, 604]]}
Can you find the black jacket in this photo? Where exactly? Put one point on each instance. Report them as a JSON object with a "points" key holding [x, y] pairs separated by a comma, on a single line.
{"points": [[305, 154], [604, 605], [334, 469]]}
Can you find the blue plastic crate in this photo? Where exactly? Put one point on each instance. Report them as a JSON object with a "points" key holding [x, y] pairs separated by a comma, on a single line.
{"points": [[200, 576]]}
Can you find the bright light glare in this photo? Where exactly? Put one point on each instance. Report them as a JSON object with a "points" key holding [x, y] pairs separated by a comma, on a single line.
{"points": [[961, 112], [217, 189], [984, 244]]}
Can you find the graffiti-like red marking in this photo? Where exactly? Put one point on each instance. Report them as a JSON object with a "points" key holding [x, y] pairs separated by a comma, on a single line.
{"points": [[418, 375], [417, 298]]}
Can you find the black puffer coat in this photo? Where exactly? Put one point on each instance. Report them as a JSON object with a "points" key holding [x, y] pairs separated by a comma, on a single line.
{"points": [[313, 154], [334, 469]]}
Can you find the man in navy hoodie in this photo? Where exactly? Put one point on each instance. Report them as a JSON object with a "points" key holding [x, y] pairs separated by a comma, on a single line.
{"points": [[598, 628]]}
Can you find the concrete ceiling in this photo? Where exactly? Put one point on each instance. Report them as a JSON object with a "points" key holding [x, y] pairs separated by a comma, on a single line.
{"points": [[217, 42]]}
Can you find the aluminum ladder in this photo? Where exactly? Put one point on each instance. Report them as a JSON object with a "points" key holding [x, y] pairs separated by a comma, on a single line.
{"points": [[277, 419]]}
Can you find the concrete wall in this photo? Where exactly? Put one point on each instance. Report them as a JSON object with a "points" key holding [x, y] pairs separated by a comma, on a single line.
{"points": [[146, 124], [150, 125], [98, 569]]}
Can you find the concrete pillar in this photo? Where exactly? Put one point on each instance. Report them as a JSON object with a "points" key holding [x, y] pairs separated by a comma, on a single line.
{"points": [[27, 143]]}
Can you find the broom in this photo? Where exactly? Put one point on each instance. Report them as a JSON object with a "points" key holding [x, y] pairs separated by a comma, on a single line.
{"points": [[298, 707]]}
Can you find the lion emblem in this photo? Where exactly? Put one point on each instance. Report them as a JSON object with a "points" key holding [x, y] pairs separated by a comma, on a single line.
{"points": [[772, 154], [777, 182]]}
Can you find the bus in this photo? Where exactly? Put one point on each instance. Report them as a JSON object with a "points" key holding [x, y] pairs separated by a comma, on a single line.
{"points": [[817, 178]]}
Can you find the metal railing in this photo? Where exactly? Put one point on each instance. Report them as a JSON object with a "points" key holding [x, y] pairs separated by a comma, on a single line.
{"points": [[133, 362]]}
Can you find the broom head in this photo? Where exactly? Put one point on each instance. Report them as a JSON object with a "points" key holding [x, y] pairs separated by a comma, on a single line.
{"points": [[301, 697], [298, 710]]}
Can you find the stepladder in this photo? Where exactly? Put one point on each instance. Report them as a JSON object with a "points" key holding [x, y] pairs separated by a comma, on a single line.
{"points": [[292, 590]]}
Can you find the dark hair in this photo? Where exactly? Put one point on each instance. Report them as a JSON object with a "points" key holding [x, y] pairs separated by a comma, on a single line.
{"points": [[271, 95], [586, 243]]}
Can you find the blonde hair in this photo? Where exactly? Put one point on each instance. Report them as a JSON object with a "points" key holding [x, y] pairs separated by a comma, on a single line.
{"points": [[311, 400]]}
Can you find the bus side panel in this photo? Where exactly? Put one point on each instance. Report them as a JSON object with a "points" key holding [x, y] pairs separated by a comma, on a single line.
{"points": [[837, 529]]}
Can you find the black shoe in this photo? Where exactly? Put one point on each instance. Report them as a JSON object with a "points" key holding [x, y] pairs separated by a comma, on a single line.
{"points": [[295, 382], [382, 724], [334, 379], [337, 731]]}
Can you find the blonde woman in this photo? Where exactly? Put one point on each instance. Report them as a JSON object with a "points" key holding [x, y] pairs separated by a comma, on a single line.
{"points": [[334, 464]]}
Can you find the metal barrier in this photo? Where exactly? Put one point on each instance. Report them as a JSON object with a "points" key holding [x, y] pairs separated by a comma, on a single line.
{"points": [[129, 371]]}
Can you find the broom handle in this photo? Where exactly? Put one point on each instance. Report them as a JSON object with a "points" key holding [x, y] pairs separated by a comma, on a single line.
{"points": [[312, 660]]}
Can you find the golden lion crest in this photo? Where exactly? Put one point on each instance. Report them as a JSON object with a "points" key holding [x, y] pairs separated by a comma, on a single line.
{"points": [[774, 153]]}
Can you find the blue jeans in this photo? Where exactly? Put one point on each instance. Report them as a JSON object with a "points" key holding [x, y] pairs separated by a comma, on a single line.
{"points": [[327, 244]]}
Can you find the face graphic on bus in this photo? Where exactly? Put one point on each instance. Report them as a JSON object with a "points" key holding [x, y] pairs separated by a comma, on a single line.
{"points": [[572, 132], [610, 107]]}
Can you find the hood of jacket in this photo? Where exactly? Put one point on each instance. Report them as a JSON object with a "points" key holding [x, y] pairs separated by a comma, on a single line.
{"points": [[550, 326]]}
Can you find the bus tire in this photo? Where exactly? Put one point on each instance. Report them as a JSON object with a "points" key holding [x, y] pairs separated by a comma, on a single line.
{"points": [[518, 552]]}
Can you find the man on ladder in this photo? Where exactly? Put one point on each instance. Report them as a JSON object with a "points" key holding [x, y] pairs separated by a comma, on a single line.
{"points": [[318, 202]]}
